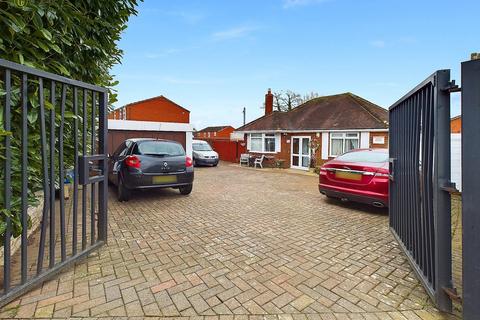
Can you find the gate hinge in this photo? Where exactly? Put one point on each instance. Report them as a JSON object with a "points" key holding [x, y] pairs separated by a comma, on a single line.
{"points": [[452, 87], [452, 294], [450, 187]]}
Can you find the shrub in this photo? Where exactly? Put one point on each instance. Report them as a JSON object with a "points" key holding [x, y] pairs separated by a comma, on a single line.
{"points": [[76, 39]]}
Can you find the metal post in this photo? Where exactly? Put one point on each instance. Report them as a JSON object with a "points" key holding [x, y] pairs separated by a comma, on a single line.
{"points": [[244, 115], [52, 176], [75, 173], [24, 215], [441, 198], [470, 188], [61, 172], [103, 149], [46, 187], [93, 186], [7, 184]]}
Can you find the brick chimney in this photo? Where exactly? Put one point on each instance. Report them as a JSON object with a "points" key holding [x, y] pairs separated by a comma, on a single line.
{"points": [[269, 102]]}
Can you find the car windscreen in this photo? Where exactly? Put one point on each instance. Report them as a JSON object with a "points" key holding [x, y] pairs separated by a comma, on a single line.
{"points": [[201, 147], [364, 156], [159, 149]]}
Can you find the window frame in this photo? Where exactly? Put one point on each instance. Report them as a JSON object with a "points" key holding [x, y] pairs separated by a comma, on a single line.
{"points": [[344, 137], [263, 137], [257, 136]]}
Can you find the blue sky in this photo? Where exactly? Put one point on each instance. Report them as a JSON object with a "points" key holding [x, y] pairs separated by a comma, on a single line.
{"points": [[216, 57]]}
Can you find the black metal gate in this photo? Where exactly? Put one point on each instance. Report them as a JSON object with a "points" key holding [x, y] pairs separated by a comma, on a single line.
{"points": [[54, 135], [420, 178]]}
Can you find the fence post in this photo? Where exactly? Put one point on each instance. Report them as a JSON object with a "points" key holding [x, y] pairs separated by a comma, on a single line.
{"points": [[471, 188]]}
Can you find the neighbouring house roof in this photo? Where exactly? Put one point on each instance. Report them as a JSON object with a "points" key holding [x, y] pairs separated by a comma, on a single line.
{"points": [[155, 98], [337, 112], [456, 117], [214, 129]]}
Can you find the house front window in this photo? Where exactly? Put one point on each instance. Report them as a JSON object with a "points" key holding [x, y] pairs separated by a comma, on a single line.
{"points": [[269, 142], [341, 142], [256, 142], [263, 142]]}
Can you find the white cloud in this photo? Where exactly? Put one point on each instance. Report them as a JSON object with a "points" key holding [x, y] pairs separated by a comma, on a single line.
{"points": [[233, 33], [296, 3], [188, 17], [408, 40], [378, 43], [169, 52], [403, 41]]}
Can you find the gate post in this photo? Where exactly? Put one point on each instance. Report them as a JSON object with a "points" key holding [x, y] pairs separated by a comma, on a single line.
{"points": [[471, 188], [441, 198], [103, 149]]}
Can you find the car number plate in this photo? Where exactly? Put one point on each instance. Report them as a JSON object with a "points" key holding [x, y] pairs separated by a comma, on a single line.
{"points": [[164, 179], [348, 175]]}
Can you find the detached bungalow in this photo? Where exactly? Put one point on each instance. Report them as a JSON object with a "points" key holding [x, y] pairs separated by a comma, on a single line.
{"points": [[317, 130]]}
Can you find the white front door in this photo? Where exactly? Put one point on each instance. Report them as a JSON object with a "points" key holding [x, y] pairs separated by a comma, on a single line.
{"points": [[300, 155]]}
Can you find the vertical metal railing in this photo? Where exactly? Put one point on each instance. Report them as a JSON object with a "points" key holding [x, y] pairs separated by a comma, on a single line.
{"points": [[471, 188], [420, 170], [25, 93], [8, 181]]}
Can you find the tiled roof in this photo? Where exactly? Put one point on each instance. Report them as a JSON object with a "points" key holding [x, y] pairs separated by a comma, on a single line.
{"points": [[213, 129], [336, 112], [155, 98]]}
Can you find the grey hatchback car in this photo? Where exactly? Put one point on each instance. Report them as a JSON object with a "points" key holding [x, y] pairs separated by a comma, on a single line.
{"points": [[150, 163]]}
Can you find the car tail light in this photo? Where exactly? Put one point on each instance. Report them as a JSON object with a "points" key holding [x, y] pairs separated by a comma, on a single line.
{"points": [[382, 173], [132, 162], [188, 162]]}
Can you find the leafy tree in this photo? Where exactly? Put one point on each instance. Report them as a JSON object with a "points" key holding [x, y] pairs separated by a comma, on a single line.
{"points": [[74, 38]]}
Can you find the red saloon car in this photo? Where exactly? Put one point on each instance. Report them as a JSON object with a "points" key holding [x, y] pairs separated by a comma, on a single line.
{"points": [[359, 175]]}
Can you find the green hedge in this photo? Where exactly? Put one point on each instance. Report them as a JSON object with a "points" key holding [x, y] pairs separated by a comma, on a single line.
{"points": [[76, 39]]}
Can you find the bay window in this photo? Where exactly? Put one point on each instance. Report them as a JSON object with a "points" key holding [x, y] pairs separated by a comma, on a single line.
{"points": [[341, 142]]}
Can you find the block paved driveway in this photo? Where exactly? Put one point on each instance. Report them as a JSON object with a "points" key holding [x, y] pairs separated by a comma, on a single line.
{"points": [[246, 242]]}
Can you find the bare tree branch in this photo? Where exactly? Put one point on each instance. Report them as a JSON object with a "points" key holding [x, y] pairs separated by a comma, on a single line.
{"points": [[288, 100]]}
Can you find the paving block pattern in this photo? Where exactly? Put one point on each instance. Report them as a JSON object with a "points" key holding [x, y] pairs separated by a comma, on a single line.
{"points": [[246, 244]]}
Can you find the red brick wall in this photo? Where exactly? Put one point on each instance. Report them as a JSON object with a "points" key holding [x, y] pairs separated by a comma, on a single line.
{"points": [[456, 125], [221, 135], [286, 147], [228, 150], [285, 152], [379, 134]]}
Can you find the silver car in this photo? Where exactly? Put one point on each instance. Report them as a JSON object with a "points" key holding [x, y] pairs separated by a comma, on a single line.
{"points": [[203, 154]]}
